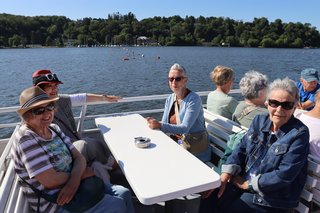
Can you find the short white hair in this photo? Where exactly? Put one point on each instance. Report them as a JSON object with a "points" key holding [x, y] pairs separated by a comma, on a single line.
{"points": [[178, 67], [285, 84], [251, 83]]}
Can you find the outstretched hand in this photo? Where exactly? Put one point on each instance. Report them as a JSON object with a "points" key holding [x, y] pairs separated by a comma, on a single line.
{"points": [[112, 98]]}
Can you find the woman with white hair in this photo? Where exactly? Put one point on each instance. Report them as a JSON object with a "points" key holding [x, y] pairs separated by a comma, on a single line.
{"points": [[268, 169], [183, 116], [253, 86]]}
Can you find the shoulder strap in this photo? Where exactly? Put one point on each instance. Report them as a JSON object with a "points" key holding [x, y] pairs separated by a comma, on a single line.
{"points": [[37, 191], [176, 110], [59, 135], [246, 111]]}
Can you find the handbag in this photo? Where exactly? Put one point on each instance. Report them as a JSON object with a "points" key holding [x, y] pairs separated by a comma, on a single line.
{"points": [[89, 193], [193, 142]]}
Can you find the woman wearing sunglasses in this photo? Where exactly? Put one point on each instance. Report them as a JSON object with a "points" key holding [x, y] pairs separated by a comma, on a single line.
{"points": [[93, 149], [183, 115], [46, 160], [268, 169]]}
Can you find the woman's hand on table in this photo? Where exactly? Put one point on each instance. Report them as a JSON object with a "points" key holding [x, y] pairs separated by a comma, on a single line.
{"points": [[153, 123]]}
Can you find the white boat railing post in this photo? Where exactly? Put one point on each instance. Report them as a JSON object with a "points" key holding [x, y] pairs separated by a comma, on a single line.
{"points": [[81, 118]]}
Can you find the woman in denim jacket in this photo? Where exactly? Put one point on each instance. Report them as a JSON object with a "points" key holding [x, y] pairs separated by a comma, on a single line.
{"points": [[268, 169]]}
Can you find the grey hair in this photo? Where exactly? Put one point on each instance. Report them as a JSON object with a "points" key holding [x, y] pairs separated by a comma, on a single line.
{"points": [[251, 83], [178, 67], [285, 84]]}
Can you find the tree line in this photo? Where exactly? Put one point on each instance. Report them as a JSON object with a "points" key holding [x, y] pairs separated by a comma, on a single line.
{"points": [[118, 29]]}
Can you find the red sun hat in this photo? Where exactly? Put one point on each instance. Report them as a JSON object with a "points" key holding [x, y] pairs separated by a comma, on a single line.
{"points": [[44, 77]]}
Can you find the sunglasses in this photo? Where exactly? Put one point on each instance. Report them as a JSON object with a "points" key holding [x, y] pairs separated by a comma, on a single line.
{"points": [[287, 105], [175, 78], [51, 77], [41, 110], [46, 77]]}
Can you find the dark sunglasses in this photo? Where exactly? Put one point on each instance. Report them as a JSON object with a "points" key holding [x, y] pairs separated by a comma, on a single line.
{"points": [[41, 110], [176, 78], [287, 105]]}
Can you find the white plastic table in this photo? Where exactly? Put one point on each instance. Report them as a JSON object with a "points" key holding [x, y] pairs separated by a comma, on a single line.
{"points": [[161, 172]]}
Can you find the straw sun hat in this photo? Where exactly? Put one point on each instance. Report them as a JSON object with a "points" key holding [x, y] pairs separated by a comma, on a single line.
{"points": [[32, 97]]}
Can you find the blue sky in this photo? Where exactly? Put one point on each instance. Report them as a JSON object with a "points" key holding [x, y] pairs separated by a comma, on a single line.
{"points": [[304, 11]]}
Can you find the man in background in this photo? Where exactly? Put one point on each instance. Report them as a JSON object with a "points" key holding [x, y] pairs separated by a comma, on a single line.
{"points": [[308, 86]]}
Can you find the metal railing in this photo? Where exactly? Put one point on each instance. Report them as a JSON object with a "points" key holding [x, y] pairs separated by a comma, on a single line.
{"points": [[83, 113]]}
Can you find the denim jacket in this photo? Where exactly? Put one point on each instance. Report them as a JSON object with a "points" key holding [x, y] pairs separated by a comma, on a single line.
{"points": [[282, 173]]}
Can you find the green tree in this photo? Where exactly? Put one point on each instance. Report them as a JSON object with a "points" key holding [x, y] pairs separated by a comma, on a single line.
{"points": [[253, 42], [267, 42], [15, 41], [174, 30]]}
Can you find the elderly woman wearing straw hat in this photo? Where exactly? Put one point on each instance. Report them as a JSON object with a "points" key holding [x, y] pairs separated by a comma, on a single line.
{"points": [[46, 160]]}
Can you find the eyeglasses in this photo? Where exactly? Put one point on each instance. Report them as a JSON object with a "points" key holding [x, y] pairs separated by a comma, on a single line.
{"points": [[41, 110], [175, 78], [287, 105]]}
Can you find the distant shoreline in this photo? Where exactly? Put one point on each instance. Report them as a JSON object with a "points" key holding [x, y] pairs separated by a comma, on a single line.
{"points": [[48, 47], [126, 30]]}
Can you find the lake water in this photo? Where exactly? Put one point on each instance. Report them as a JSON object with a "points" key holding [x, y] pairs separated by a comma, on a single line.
{"points": [[103, 70]]}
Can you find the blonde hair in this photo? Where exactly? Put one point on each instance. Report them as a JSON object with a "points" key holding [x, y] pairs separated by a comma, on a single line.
{"points": [[221, 75]]}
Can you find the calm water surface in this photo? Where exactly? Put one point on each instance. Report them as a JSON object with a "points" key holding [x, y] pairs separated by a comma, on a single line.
{"points": [[103, 70]]}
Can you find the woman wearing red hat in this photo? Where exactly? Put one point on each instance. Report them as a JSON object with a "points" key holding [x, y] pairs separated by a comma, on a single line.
{"points": [[91, 148]]}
